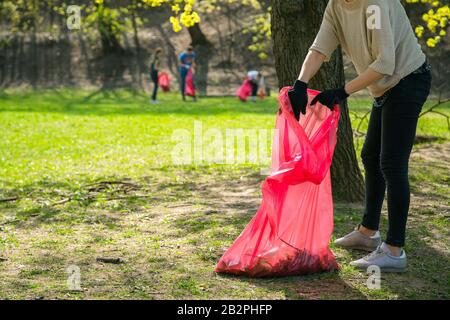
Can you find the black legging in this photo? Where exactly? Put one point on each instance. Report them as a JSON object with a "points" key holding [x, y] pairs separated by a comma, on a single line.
{"points": [[255, 87], [386, 151], [154, 76]]}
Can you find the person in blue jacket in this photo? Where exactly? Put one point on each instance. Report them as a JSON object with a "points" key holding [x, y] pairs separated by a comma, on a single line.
{"points": [[187, 61]]}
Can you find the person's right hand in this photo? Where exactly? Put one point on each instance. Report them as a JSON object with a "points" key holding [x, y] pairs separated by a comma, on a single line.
{"points": [[299, 98]]}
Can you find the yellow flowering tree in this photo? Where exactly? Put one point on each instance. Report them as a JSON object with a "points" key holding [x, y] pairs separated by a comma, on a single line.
{"points": [[183, 12], [435, 21], [434, 26], [184, 15]]}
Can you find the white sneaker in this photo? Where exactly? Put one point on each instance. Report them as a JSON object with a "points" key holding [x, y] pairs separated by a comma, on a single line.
{"points": [[154, 102], [382, 258], [357, 240]]}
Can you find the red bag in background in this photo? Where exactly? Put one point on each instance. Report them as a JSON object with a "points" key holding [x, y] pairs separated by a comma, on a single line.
{"points": [[164, 81], [244, 91], [190, 85], [261, 94], [290, 233]]}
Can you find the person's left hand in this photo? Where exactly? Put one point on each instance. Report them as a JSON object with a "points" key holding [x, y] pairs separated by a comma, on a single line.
{"points": [[330, 98]]}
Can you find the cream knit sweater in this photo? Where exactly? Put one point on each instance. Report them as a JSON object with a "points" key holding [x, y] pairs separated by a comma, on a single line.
{"points": [[387, 44]]}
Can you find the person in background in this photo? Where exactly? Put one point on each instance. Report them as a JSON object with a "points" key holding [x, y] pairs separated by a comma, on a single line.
{"points": [[187, 63], [256, 81], [154, 72], [262, 86]]}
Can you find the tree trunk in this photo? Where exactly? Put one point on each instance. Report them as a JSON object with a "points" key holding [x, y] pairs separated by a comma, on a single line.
{"points": [[134, 16], [204, 50], [294, 26]]}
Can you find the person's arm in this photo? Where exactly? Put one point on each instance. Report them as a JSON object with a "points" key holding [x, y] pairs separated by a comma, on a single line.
{"points": [[311, 65], [383, 48], [298, 95], [321, 50], [364, 80], [331, 97], [181, 59]]}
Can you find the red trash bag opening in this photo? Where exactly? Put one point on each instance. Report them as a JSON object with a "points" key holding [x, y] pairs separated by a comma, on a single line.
{"points": [[290, 233]]}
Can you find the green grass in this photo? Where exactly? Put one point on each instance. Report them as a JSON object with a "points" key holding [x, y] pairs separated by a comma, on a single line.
{"points": [[170, 223]]}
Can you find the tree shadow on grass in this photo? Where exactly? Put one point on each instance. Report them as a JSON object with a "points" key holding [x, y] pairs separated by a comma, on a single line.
{"points": [[428, 276], [328, 285], [85, 201], [220, 222], [221, 208]]}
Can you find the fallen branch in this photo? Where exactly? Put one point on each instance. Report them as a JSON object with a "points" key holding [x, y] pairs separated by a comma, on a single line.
{"points": [[432, 110], [124, 198], [62, 201], [115, 182], [9, 199], [357, 133], [111, 260]]}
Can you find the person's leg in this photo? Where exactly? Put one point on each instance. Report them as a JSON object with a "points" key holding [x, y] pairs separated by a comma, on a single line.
{"points": [[155, 85], [183, 75], [374, 180], [366, 236], [254, 90], [195, 87], [399, 123]]}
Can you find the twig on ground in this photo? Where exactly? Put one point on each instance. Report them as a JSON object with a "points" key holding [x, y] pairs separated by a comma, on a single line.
{"points": [[94, 192], [114, 182], [62, 201], [125, 198], [9, 199], [110, 260]]}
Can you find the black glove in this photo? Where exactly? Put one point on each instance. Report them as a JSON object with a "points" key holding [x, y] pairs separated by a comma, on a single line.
{"points": [[299, 98], [330, 98]]}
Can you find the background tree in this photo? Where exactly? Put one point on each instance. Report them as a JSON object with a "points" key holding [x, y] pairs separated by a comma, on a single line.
{"points": [[204, 50], [204, 47]]}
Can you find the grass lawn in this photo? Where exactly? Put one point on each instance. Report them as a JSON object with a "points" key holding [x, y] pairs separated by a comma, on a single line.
{"points": [[86, 178]]}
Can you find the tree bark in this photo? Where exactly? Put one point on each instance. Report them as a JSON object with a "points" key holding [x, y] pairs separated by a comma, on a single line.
{"points": [[134, 16], [204, 51], [295, 24]]}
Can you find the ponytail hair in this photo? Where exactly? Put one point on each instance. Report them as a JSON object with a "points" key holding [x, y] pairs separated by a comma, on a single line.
{"points": [[155, 53]]}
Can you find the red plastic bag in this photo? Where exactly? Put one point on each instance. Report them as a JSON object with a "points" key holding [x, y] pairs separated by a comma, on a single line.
{"points": [[244, 91], [290, 233], [164, 81], [262, 94], [190, 86]]}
